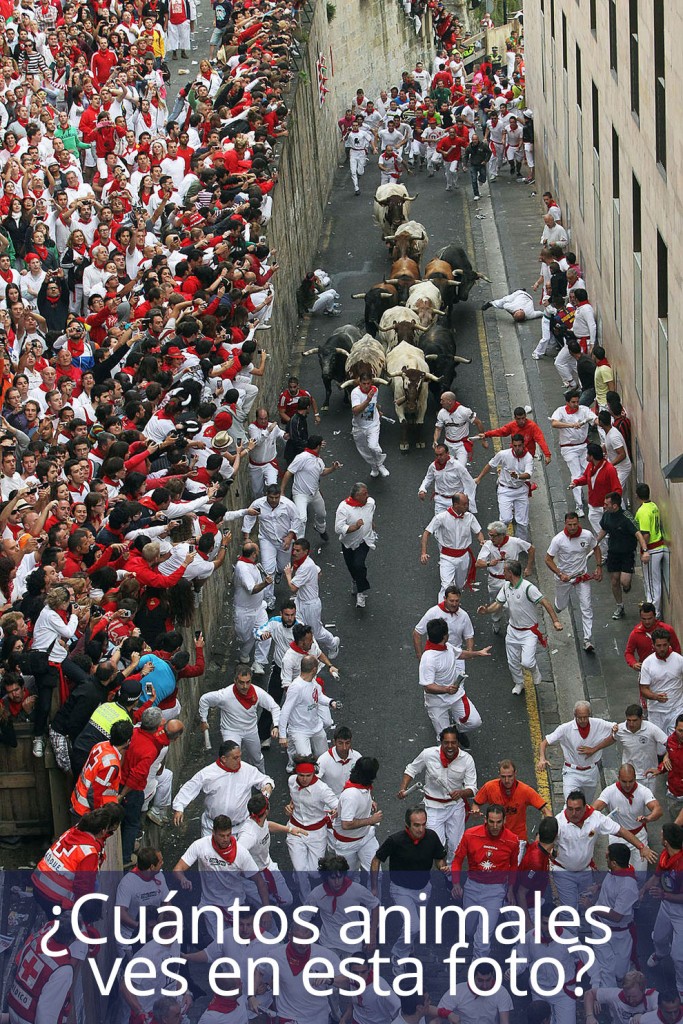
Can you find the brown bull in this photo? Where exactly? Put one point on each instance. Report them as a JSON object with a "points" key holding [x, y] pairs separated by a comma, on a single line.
{"points": [[404, 274]]}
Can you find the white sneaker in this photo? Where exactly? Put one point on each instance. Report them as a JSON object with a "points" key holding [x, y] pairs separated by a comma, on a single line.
{"points": [[535, 355], [518, 688], [580, 512], [335, 649], [158, 817], [496, 628], [38, 746], [383, 471], [360, 600], [258, 669], [374, 472], [536, 675]]}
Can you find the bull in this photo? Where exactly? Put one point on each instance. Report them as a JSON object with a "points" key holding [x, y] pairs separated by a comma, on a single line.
{"points": [[397, 325], [407, 367], [404, 274], [438, 345], [366, 356], [463, 272], [392, 206], [378, 300], [425, 299], [332, 354], [410, 239]]}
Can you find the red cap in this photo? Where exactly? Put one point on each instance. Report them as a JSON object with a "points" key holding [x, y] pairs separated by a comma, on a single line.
{"points": [[222, 420], [174, 353]]}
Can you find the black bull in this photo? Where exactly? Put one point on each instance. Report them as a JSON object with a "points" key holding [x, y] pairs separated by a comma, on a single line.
{"points": [[332, 354], [438, 345]]}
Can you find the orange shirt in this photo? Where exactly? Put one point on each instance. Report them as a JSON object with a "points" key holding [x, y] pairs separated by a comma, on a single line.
{"points": [[515, 803]]}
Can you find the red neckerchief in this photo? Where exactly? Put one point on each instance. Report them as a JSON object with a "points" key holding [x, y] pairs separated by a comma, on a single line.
{"points": [[247, 560], [248, 699], [220, 764], [355, 504], [429, 646], [296, 562], [456, 515], [453, 408], [64, 616], [680, 1016], [624, 872], [546, 941], [572, 536], [296, 960], [444, 760], [586, 814], [346, 884], [308, 786], [662, 658], [629, 796], [357, 785], [299, 650], [584, 730], [413, 841], [7, 277], [230, 851], [311, 451], [570, 412], [438, 468], [598, 362]]}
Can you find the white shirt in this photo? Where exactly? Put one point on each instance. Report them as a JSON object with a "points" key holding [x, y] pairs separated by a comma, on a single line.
{"points": [[584, 319], [235, 718], [495, 557], [376, 1007], [293, 1001], [553, 953], [310, 803], [662, 675], [570, 739], [619, 893], [452, 479], [613, 444], [300, 713], [571, 553], [265, 449], [291, 662], [274, 523], [176, 169], [451, 531], [474, 1009], [627, 813], [256, 839], [334, 770], [508, 463], [521, 601], [245, 578], [332, 921], [576, 843], [460, 626], [621, 1013], [50, 630], [641, 748], [442, 668], [281, 637], [353, 803], [370, 415], [460, 773], [348, 515], [455, 423], [224, 792], [220, 880], [580, 420], [305, 578], [306, 470], [134, 891]]}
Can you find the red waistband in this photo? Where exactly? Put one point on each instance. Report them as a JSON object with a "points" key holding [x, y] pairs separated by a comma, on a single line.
{"points": [[272, 462], [455, 552], [346, 839], [657, 544], [440, 799], [579, 768], [309, 828]]}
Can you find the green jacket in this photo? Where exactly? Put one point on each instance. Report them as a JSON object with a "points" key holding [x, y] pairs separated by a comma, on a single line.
{"points": [[71, 139]]}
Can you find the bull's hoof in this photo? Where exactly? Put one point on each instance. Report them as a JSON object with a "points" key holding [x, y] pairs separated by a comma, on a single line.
{"points": [[404, 447], [420, 444]]}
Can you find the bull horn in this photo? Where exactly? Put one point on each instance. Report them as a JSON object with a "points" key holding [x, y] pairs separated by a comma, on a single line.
{"points": [[309, 352], [390, 375], [459, 359], [412, 199], [439, 312], [483, 277], [379, 380], [457, 273], [358, 295], [386, 295], [342, 351], [420, 328], [432, 357], [430, 376], [392, 280], [389, 238], [347, 384]]}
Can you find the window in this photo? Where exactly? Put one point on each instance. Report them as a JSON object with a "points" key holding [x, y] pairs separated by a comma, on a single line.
{"points": [[564, 41], [577, 63], [579, 154], [637, 287], [597, 209], [593, 16], [660, 85], [595, 106], [552, 19], [616, 231], [663, 347], [634, 56], [612, 12], [616, 187], [543, 87]]}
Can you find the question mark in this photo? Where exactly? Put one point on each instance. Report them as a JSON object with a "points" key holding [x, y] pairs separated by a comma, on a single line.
{"points": [[589, 954]]}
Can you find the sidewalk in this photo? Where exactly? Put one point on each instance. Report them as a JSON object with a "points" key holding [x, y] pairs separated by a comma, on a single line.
{"points": [[511, 222]]}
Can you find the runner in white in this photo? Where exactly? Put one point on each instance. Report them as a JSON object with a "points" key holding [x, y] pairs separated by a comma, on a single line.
{"points": [[492, 556], [542, 946], [239, 706], [567, 558], [359, 145], [302, 579], [619, 892], [515, 466], [334, 767], [263, 456], [641, 742], [353, 830], [304, 1004], [279, 524], [661, 682], [573, 420], [255, 837], [460, 628], [305, 472], [474, 1005], [631, 1000], [249, 584], [145, 887], [442, 681], [301, 729], [453, 531], [354, 524], [450, 782], [365, 425], [311, 808], [631, 805], [522, 600], [581, 741], [454, 420], [448, 477], [335, 899]]}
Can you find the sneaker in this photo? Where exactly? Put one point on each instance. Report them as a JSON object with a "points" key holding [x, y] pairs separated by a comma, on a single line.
{"points": [[357, 192], [360, 600], [492, 177], [277, 578], [518, 688], [159, 818], [536, 676], [653, 960], [618, 612], [487, 305], [265, 744], [580, 513], [258, 669], [336, 643], [374, 472], [324, 535], [332, 312], [383, 471], [535, 355], [448, 188], [520, 178], [38, 746], [588, 646], [496, 628]]}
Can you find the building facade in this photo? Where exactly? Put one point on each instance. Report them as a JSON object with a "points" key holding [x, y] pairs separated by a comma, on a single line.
{"points": [[607, 100]]}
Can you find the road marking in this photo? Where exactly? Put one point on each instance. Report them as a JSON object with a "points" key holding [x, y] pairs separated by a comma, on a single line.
{"points": [[535, 730]]}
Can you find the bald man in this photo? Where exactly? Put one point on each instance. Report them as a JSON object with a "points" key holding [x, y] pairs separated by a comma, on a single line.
{"points": [[519, 304]]}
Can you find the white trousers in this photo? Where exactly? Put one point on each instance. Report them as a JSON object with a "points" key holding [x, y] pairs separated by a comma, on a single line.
{"points": [[448, 821], [576, 593], [570, 885], [493, 165], [667, 937], [494, 590], [316, 503], [310, 612], [546, 337], [513, 504], [653, 571], [325, 301], [366, 440], [410, 899], [612, 959], [563, 1007], [461, 713], [273, 559], [434, 161], [587, 782], [307, 744], [357, 161], [529, 155], [665, 715], [359, 853], [458, 451], [261, 477], [594, 517], [451, 170], [565, 364], [245, 622], [490, 898], [158, 791], [250, 743], [623, 472], [305, 852], [178, 36], [520, 648], [453, 570], [576, 459], [418, 150]]}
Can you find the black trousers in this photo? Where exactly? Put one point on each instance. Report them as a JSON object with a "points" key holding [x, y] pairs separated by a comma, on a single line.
{"points": [[265, 722], [130, 827], [355, 563]]}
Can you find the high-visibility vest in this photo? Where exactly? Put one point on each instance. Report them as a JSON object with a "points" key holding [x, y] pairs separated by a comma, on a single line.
{"points": [[33, 970], [98, 783], [104, 716], [55, 874]]}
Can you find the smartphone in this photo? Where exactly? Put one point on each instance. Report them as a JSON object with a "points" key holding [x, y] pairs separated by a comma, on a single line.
{"points": [[197, 634], [191, 547], [148, 690]]}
